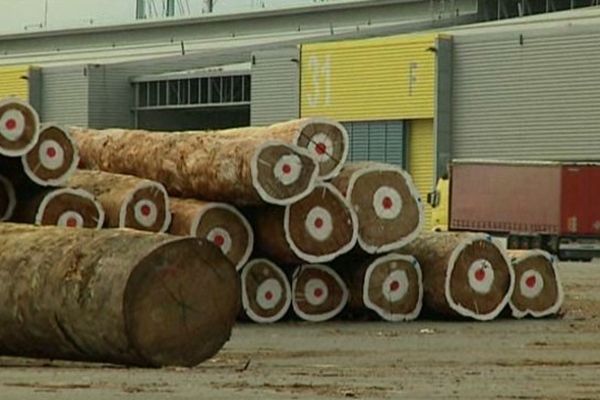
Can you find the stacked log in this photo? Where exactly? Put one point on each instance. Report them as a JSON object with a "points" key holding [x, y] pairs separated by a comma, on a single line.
{"points": [[19, 127], [386, 202], [316, 229], [389, 286], [219, 223], [266, 293], [113, 296], [464, 274], [318, 293], [538, 290], [243, 166], [8, 198], [128, 201]]}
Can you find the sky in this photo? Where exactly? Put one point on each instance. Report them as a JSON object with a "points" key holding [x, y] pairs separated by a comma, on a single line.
{"points": [[33, 15]]}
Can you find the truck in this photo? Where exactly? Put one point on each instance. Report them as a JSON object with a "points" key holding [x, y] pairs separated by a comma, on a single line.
{"points": [[554, 206]]}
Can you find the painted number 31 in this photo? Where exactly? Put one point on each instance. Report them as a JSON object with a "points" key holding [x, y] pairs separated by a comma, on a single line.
{"points": [[320, 70]]}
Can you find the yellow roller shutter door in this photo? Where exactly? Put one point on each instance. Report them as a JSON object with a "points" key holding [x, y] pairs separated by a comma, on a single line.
{"points": [[421, 160], [13, 82]]}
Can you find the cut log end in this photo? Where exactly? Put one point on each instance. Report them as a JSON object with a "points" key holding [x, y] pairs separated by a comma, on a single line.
{"points": [[282, 173], [327, 142], [388, 207], [19, 127], [393, 287], [321, 226], [318, 292], [72, 208], [538, 290], [181, 302], [53, 159], [479, 279], [266, 292], [8, 199], [146, 209]]}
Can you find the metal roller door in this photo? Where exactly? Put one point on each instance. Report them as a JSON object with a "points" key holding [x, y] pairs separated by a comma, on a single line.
{"points": [[381, 141]]}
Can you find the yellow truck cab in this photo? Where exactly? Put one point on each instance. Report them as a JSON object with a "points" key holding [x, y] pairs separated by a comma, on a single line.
{"points": [[440, 204]]}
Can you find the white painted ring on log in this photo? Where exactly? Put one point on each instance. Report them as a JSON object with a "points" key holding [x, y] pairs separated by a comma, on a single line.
{"points": [[77, 192], [320, 147], [385, 313], [372, 249], [12, 198], [245, 295], [51, 154], [269, 293], [36, 128], [249, 232], [288, 169], [145, 185], [395, 286], [345, 145], [70, 219], [387, 202], [481, 276], [145, 212], [447, 283], [12, 125], [560, 295], [220, 238], [319, 223], [531, 284], [316, 292], [324, 316]]}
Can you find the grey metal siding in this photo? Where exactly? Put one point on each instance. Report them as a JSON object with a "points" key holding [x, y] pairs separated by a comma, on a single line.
{"points": [[64, 95], [527, 95], [381, 141], [275, 86]]}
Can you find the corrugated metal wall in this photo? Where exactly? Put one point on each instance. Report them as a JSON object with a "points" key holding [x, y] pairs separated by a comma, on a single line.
{"points": [[371, 79], [13, 82], [275, 86], [64, 97], [527, 94], [421, 160], [381, 141]]}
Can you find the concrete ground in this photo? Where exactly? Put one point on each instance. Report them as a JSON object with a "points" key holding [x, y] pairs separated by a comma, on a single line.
{"points": [[503, 359]]}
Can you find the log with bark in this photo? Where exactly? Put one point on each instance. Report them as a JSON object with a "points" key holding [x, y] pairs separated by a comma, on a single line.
{"points": [[19, 127], [389, 286], [116, 296], [128, 201], [8, 198], [53, 159], [318, 293], [386, 202], [219, 223], [464, 274], [242, 167], [538, 290], [316, 229], [266, 293], [65, 207]]}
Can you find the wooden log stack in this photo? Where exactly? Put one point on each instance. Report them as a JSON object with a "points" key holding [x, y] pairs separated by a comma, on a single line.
{"points": [[266, 292]]}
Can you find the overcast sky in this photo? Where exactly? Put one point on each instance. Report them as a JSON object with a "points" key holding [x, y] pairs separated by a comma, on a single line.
{"points": [[31, 15]]}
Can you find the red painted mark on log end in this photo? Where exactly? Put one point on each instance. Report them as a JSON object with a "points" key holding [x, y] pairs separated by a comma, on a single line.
{"points": [[321, 148], [286, 168], [480, 274], [71, 222], [394, 285], [51, 152], [318, 292], [219, 240], [10, 124], [146, 210], [530, 282], [269, 295], [387, 203], [319, 223]]}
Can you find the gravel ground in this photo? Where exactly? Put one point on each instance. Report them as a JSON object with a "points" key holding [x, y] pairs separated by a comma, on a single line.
{"points": [[503, 359]]}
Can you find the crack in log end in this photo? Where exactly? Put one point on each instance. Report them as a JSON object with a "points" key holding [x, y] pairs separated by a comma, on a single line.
{"points": [[70, 339]]}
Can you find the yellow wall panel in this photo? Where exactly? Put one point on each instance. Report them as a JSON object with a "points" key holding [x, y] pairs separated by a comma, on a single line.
{"points": [[12, 82], [421, 165], [369, 79]]}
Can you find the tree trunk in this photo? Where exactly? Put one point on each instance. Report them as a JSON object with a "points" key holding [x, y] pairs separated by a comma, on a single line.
{"points": [[8, 199], [387, 204], [318, 293], [538, 290], [464, 274], [266, 293], [53, 159], [19, 127], [241, 166], [219, 223], [66, 207], [316, 229], [128, 202], [113, 296], [390, 286]]}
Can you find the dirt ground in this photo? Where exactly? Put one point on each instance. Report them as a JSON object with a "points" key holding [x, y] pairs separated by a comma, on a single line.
{"points": [[503, 359]]}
